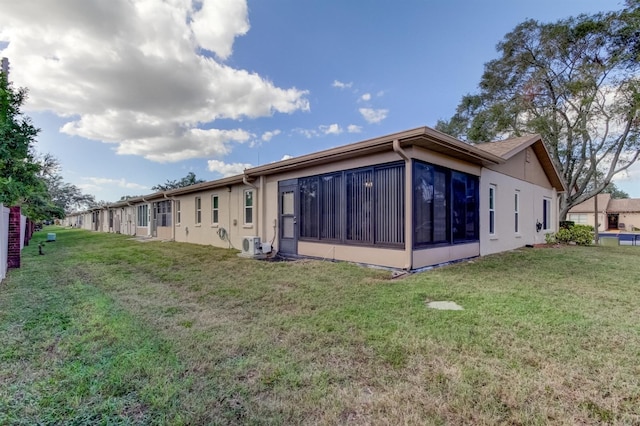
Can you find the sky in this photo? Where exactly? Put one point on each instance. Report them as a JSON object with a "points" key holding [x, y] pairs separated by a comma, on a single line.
{"points": [[131, 93]]}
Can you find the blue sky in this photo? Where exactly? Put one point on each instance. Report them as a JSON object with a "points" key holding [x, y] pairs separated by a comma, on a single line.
{"points": [[129, 94]]}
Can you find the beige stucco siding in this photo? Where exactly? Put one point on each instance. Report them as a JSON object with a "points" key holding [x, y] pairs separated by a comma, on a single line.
{"points": [[360, 254], [630, 220], [164, 232], [524, 166], [230, 217], [602, 219], [438, 255], [531, 198]]}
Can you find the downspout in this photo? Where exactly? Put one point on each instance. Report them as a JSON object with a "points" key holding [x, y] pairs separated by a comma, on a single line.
{"points": [[262, 217], [408, 202]]}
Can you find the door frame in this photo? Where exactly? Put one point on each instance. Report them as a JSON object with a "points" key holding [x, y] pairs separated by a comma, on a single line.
{"points": [[288, 246]]}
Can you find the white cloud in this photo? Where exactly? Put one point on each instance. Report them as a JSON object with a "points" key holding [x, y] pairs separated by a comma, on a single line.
{"points": [[217, 23], [98, 183], [226, 169], [307, 133], [366, 97], [286, 157], [267, 136], [133, 73], [341, 85], [373, 115], [352, 128], [331, 129], [322, 130]]}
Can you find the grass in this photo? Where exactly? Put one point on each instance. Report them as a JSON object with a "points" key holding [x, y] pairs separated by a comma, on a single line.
{"points": [[103, 329]]}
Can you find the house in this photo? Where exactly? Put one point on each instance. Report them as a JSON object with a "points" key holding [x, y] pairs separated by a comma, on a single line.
{"points": [[406, 200], [613, 214]]}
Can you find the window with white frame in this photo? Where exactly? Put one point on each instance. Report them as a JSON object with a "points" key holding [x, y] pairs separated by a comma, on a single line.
{"points": [[198, 210], [492, 209], [516, 212], [546, 213], [578, 218], [178, 212], [214, 209], [143, 215], [248, 207]]}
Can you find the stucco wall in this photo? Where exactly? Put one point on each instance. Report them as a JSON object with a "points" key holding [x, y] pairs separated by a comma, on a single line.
{"points": [[524, 166], [437, 255], [230, 217], [602, 219], [530, 212]]}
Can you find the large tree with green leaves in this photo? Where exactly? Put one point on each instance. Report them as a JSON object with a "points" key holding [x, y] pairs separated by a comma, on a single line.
{"points": [[64, 196], [575, 82], [18, 170], [188, 180]]}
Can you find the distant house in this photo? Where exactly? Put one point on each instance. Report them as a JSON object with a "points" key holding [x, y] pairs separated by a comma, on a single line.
{"points": [[406, 200], [613, 214]]}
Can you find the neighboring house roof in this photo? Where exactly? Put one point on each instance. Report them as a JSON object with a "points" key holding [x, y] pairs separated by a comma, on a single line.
{"points": [[588, 206], [507, 148], [624, 205]]}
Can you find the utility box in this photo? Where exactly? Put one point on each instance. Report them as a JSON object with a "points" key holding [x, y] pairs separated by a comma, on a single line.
{"points": [[51, 237]]}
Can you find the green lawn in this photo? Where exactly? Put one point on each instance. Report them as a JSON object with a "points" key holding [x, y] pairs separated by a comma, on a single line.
{"points": [[103, 329]]}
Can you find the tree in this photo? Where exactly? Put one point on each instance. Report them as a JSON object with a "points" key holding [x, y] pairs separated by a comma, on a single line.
{"points": [[188, 180], [576, 83], [615, 191], [18, 170], [65, 196]]}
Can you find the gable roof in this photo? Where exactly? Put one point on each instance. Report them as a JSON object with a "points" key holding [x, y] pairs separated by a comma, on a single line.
{"points": [[508, 148], [588, 206], [624, 205]]}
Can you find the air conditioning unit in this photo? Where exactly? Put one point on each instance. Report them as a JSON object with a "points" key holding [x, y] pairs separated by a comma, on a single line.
{"points": [[251, 246]]}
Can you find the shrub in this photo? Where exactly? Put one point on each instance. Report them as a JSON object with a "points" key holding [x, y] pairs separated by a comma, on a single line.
{"points": [[566, 224], [580, 234], [550, 238], [583, 234]]}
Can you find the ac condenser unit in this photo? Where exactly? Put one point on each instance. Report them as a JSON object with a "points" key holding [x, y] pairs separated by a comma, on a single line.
{"points": [[251, 246]]}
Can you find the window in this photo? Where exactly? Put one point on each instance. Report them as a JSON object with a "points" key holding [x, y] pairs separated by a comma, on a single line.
{"points": [[248, 207], [464, 207], [162, 213], [178, 214], [492, 210], [143, 215], [546, 213], [445, 205], [516, 212], [214, 209], [578, 218], [198, 210], [360, 206], [363, 206]]}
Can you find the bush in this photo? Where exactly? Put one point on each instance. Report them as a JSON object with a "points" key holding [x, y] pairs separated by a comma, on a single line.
{"points": [[582, 235], [566, 224], [550, 238]]}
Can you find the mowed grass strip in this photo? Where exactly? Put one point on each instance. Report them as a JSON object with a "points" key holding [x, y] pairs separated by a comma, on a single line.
{"points": [[106, 329]]}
